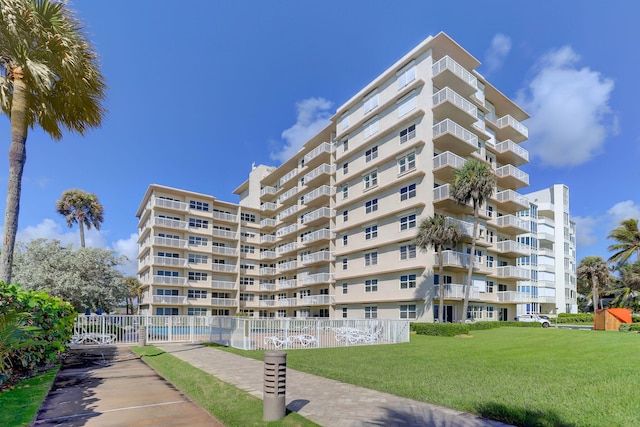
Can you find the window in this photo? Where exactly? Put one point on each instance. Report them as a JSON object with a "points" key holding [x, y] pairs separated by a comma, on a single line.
{"points": [[370, 128], [407, 134], [196, 311], [408, 311], [198, 241], [247, 217], [345, 288], [168, 236], [344, 122], [345, 168], [407, 192], [247, 249], [407, 281], [167, 273], [344, 312], [371, 206], [168, 255], [407, 222], [345, 191], [198, 223], [371, 285], [345, 216], [371, 154], [345, 263], [198, 259], [371, 180], [371, 232], [406, 75], [370, 103], [247, 297], [345, 145], [407, 251], [197, 275], [370, 258], [407, 104], [223, 311], [446, 279], [371, 312], [199, 206], [246, 281], [345, 240], [407, 163], [160, 311], [196, 293]]}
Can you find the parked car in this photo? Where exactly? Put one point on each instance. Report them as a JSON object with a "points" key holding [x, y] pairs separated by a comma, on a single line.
{"points": [[534, 318]]}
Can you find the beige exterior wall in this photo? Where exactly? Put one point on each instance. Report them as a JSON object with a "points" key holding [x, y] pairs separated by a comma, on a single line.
{"points": [[334, 223]]}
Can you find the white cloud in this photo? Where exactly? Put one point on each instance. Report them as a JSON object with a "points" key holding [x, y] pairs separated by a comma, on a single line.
{"points": [[570, 111], [497, 52], [585, 230], [312, 117], [129, 248], [623, 210]]}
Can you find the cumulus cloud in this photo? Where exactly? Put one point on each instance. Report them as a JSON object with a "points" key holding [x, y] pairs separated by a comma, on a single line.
{"points": [[586, 229], [571, 118], [623, 210], [312, 116], [128, 248], [497, 52]]}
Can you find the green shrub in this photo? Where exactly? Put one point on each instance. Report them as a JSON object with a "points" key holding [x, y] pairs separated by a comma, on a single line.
{"points": [[441, 329], [629, 327], [575, 318], [635, 318], [481, 326]]}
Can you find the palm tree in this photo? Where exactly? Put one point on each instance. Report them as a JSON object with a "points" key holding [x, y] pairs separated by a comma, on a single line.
{"points": [[134, 292], [593, 270], [438, 233], [49, 76], [474, 182], [626, 288], [80, 207], [628, 237]]}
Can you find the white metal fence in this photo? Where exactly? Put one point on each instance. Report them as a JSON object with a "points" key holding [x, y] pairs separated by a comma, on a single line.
{"points": [[240, 332]]}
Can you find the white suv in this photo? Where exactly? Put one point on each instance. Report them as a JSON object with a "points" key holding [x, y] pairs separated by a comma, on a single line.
{"points": [[534, 318]]}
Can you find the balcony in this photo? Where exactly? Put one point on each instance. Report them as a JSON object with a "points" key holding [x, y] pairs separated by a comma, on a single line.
{"points": [[510, 224], [316, 300], [222, 284], [287, 212], [319, 215], [318, 235], [224, 250], [507, 127], [288, 229], [170, 223], [317, 257], [312, 279], [319, 195], [224, 216], [268, 238], [445, 164], [223, 302], [510, 201], [322, 170], [268, 190], [443, 200], [450, 136], [289, 247], [169, 280], [268, 255], [447, 72], [288, 176], [508, 152], [287, 195], [173, 243], [267, 286], [315, 155], [170, 204], [513, 249], [453, 291], [457, 260], [514, 297], [287, 284], [509, 176], [225, 234], [224, 268], [287, 302], [513, 272], [268, 207], [268, 271], [467, 231], [447, 104], [169, 261], [287, 266], [168, 299], [267, 303], [268, 223]]}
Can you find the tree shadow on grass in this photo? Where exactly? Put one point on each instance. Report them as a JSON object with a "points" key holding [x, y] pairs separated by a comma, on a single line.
{"points": [[521, 416]]}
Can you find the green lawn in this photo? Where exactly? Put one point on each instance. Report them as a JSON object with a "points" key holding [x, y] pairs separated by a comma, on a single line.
{"points": [[19, 405], [521, 376]]}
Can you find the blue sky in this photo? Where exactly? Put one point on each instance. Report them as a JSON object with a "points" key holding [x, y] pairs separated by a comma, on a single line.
{"points": [[198, 92]]}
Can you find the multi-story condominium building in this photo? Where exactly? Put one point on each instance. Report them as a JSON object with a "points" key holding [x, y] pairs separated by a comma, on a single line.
{"points": [[329, 232], [553, 259]]}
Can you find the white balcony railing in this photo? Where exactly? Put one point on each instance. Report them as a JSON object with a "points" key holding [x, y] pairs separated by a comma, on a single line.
{"points": [[286, 266], [287, 212], [316, 300], [317, 235], [169, 280], [224, 250], [455, 291], [224, 216], [288, 176], [268, 255], [513, 296], [172, 223], [268, 206], [512, 196], [288, 194], [166, 241], [320, 256], [323, 212], [289, 247], [507, 120], [224, 302], [170, 204], [268, 190], [449, 126], [267, 238], [322, 169], [512, 221], [267, 271], [224, 233], [224, 268], [168, 299], [513, 246], [325, 190], [223, 284], [513, 271], [510, 170], [283, 231], [508, 145], [447, 94], [171, 262], [459, 259], [446, 63], [268, 222], [287, 284], [311, 279], [448, 159], [325, 147]]}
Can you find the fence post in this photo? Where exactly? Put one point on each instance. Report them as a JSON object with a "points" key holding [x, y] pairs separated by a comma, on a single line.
{"points": [[142, 336], [275, 376]]}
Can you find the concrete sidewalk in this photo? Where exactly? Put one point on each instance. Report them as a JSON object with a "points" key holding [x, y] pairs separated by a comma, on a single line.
{"points": [[111, 386], [324, 401]]}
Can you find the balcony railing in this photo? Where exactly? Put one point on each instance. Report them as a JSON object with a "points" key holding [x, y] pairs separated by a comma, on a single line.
{"points": [[325, 147], [322, 169], [513, 296], [317, 235], [289, 247], [168, 261], [288, 194], [268, 207], [448, 134], [166, 241], [512, 171], [283, 231], [268, 255], [448, 95], [510, 146], [459, 259], [288, 176], [287, 284], [267, 271], [224, 216], [513, 246], [267, 238], [448, 159], [454, 291], [224, 250], [267, 286], [224, 233], [316, 300], [512, 221], [510, 196], [513, 272], [170, 204], [224, 268], [321, 256], [169, 280], [224, 302], [286, 266], [223, 284], [325, 190], [508, 121], [268, 190], [311, 279], [268, 222], [172, 223], [323, 212], [287, 302], [446, 63], [287, 212], [168, 299]]}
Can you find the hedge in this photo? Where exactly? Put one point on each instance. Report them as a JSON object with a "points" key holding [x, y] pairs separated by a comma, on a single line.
{"points": [[453, 329]]}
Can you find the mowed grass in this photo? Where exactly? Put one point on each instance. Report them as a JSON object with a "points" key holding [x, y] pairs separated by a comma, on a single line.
{"points": [[19, 405], [227, 403], [521, 376]]}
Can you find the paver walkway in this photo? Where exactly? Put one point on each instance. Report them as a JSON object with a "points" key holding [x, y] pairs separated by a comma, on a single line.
{"points": [[324, 401]]}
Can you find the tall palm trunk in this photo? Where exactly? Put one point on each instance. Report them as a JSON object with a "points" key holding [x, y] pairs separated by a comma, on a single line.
{"points": [[594, 291], [17, 159], [467, 288], [440, 275], [81, 227]]}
